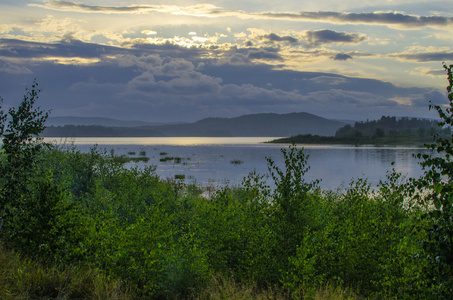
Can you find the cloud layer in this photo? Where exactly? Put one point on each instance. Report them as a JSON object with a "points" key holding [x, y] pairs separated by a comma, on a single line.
{"points": [[210, 10], [168, 62]]}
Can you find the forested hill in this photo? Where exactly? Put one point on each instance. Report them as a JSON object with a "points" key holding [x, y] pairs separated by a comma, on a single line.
{"points": [[268, 124]]}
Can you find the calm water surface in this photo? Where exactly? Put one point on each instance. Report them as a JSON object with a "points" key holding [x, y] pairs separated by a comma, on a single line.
{"points": [[208, 161]]}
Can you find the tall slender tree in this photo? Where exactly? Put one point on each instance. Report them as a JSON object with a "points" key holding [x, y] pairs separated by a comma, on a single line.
{"points": [[20, 130]]}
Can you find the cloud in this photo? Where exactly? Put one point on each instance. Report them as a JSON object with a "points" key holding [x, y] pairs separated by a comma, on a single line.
{"points": [[342, 56], [68, 48], [373, 18], [424, 57], [264, 55], [75, 51], [197, 10], [329, 80], [239, 59], [168, 82], [250, 95], [423, 71], [435, 73], [272, 37], [433, 96], [176, 67], [326, 36], [209, 10], [187, 84], [14, 69], [354, 99], [149, 32]]}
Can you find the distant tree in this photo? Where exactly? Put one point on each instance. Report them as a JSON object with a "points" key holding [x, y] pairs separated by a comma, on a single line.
{"points": [[421, 132], [379, 133], [343, 131], [358, 133]]}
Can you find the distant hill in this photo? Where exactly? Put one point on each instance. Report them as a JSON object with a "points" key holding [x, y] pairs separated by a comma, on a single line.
{"points": [[62, 121], [267, 124]]}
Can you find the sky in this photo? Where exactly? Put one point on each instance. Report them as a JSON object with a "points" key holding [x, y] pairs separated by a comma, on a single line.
{"points": [[182, 61]]}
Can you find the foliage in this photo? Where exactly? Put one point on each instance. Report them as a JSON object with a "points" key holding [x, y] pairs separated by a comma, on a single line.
{"points": [[24, 124], [436, 190], [385, 131], [165, 241], [416, 137], [387, 125]]}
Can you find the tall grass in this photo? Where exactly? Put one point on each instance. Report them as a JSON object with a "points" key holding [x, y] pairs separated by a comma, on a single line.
{"points": [[23, 278], [224, 287]]}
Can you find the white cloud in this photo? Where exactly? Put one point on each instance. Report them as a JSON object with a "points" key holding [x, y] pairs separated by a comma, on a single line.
{"points": [[149, 32]]}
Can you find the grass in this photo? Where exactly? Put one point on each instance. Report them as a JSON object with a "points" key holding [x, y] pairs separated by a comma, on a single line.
{"points": [[22, 278], [237, 162], [223, 288], [123, 159], [180, 176], [176, 160]]}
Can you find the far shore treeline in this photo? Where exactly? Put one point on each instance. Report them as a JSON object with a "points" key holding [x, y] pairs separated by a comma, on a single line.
{"points": [[385, 131]]}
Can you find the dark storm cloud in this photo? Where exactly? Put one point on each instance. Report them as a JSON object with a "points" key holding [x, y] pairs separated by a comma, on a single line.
{"points": [[342, 56], [272, 37], [425, 56], [326, 36]]}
